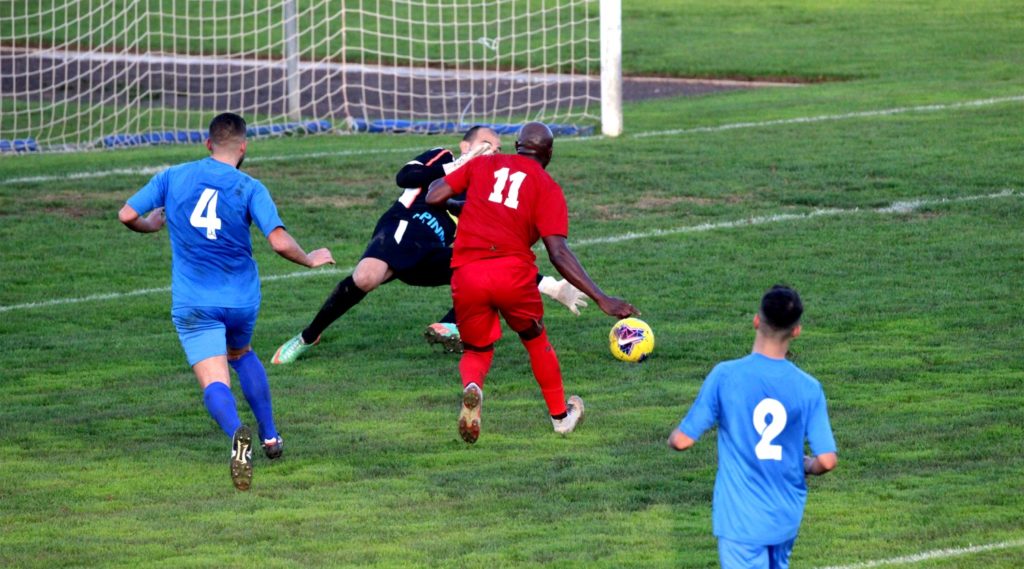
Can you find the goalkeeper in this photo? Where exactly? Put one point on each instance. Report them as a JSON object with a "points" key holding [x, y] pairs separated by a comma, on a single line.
{"points": [[412, 243]]}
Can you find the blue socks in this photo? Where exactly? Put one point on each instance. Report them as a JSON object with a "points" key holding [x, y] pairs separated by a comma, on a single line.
{"points": [[221, 405], [253, 378]]}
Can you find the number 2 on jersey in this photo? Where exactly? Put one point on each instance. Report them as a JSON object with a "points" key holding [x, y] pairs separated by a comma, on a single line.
{"points": [[209, 221], [764, 449], [501, 177]]}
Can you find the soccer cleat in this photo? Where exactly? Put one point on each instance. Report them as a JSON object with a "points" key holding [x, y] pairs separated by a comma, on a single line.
{"points": [[469, 416], [292, 349], [446, 334], [241, 458], [574, 414], [274, 447]]}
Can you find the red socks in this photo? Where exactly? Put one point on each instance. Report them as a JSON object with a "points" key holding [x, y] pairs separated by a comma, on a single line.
{"points": [[544, 362], [473, 367]]}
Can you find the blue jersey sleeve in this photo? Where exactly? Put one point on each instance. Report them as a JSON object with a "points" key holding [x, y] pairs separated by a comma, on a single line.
{"points": [[819, 430], [263, 210], [151, 196], [704, 413]]}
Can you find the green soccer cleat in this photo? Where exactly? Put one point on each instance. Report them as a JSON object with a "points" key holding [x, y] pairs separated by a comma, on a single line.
{"points": [[446, 334], [241, 458], [291, 350]]}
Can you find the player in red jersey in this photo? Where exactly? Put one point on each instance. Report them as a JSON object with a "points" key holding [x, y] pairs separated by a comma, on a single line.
{"points": [[510, 203]]}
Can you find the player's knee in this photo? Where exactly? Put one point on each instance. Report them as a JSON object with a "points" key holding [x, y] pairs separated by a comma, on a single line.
{"points": [[532, 332], [472, 348], [235, 354], [368, 277]]}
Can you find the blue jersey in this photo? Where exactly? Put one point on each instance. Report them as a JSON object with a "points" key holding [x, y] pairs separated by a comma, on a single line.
{"points": [[209, 207], [765, 410]]}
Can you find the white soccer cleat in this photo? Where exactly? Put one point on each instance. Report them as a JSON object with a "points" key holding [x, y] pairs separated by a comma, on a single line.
{"points": [[574, 414], [469, 415], [563, 291]]}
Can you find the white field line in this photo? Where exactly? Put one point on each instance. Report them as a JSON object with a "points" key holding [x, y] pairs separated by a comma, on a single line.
{"points": [[929, 555], [148, 171], [895, 207]]}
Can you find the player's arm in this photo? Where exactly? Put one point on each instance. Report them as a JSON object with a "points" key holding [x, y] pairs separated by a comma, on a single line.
{"points": [[679, 441], [439, 192], [426, 168], [286, 246], [149, 224], [818, 465], [569, 266]]}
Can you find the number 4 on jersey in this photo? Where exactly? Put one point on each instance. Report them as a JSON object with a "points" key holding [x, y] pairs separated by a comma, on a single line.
{"points": [[501, 177], [209, 221]]}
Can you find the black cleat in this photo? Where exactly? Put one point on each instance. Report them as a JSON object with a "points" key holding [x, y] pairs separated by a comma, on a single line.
{"points": [[274, 447], [241, 458]]}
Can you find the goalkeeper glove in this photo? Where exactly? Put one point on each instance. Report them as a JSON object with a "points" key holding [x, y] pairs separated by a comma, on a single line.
{"points": [[563, 291]]}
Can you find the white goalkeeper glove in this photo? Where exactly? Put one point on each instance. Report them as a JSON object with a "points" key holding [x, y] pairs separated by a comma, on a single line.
{"points": [[479, 149], [563, 291]]}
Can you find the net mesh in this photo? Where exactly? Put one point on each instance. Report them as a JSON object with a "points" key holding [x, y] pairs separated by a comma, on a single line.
{"points": [[87, 73]]}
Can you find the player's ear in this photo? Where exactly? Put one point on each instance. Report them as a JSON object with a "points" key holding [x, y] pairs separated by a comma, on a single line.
{"points": [[757, 321], [464, 147], [796, 331], [209, 145]]}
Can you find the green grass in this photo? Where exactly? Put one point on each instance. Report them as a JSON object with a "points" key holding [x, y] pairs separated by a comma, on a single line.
{"points": [[109, 458]]}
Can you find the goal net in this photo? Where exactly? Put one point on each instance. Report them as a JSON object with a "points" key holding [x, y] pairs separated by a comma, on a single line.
{"points": [[99, 73]]}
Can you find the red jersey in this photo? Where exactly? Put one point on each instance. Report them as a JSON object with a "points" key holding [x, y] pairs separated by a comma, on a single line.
{"points": [[511, 202]]}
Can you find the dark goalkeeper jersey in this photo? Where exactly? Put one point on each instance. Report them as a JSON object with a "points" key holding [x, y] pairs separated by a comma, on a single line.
{"points": [[414, 178]]}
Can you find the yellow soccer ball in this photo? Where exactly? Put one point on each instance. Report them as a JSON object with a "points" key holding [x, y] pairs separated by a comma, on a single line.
{"points": [[631, 340]]}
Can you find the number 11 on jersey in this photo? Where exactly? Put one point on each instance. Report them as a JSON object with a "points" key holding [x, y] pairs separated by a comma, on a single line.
{"points": [[204, 216], [501, 177]]}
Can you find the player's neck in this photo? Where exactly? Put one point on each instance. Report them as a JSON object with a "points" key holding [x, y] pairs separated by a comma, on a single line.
{"points": [[770, 348], [229, 160]]}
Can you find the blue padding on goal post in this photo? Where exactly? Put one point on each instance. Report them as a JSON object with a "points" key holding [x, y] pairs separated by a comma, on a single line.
{"points": [[441, 127], [199, 136], [18, 145]]}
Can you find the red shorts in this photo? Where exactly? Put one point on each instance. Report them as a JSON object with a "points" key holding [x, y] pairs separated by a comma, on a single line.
{"points": [[483, 289]]}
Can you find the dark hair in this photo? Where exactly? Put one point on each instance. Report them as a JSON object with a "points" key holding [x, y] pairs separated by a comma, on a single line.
{"points": [[470, 135], [225, 127], [781, 307]]}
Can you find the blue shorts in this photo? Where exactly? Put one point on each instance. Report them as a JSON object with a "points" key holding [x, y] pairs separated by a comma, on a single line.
{"points": [[207, 331], [736, 555]]}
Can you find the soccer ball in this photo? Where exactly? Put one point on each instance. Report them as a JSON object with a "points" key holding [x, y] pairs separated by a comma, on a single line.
{"points": [[631, 340]]}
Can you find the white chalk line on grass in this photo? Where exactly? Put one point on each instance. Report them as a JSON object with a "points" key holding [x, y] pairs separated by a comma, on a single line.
{"points": [[142, 171], [930, 555], [895, 207]]}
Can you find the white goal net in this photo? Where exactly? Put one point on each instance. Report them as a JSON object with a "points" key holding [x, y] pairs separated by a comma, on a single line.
{"points": [[102, 73]]}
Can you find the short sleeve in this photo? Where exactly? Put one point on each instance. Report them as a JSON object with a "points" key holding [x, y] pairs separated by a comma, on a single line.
{"points": [[151, 196], [819, 429], [459, 179], [263, 210], [552, 213], [704, 413]]}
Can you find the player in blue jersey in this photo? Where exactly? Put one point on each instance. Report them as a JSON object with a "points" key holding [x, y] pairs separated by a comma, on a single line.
{"points": [[765, 408], [412, 243], [208, 206]]}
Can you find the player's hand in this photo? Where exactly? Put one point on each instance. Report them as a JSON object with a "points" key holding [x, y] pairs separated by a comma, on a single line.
{"points": [[617, 307], [482, 148], [319, 258], [156, 219]]}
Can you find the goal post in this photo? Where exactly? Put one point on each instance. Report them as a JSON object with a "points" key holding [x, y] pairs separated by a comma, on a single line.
{"points": [[79, 74]]}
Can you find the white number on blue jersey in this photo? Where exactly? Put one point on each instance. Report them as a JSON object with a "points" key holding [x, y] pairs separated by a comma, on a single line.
{"points": [[765, 450], [501, 177], [209, 221]]}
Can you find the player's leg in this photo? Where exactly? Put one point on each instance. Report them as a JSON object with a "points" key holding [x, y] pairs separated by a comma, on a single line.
{"points": [[736, 555], [480, 326], [778, 554], [202, 335], [368, 275], [520, 304], [434, 269], [252, 376]]}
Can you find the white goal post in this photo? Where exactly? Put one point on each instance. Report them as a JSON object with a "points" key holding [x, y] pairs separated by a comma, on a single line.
{"points": [[79, 74]]}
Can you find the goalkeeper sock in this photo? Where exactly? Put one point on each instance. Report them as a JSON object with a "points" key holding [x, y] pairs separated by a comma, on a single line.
{"points": [[448, 318], [546, 370], [253, 377], [474, 365], [345, 296], [221, 404]]}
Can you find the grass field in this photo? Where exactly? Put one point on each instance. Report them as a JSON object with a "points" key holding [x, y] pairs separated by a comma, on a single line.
{"points": [[900, 228]]}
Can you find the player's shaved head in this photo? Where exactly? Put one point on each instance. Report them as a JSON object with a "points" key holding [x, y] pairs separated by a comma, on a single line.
{"points": [[536, 141], [781, 309], [227, 129], [474, 134]]}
